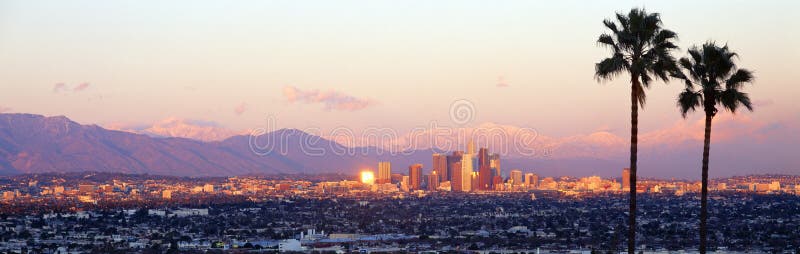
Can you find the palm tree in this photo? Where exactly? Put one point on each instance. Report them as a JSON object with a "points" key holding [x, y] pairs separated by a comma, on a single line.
{"points": [[713, 80], [641, 47]]}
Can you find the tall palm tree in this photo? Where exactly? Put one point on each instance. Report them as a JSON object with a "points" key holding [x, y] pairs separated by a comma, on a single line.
{"points": [[641, 47], [712, 79]]}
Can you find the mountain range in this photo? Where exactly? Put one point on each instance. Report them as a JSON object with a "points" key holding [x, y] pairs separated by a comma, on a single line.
{"points": [[36, 144]]}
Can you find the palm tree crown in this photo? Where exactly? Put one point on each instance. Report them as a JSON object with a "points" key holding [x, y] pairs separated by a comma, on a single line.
{"points": [[713, 79], [639, 46]]}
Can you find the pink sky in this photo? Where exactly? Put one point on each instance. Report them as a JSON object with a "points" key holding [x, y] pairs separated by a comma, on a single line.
{"points": [[396, 65]]}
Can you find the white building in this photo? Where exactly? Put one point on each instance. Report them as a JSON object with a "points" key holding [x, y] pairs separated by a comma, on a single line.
{"points": [[289, 245]]}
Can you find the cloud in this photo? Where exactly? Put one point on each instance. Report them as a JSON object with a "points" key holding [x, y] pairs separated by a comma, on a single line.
{"points": [[180, 128], [501, 82], [240, 109], [4, 109], [58, 87], [332, 100], [81, 87]]}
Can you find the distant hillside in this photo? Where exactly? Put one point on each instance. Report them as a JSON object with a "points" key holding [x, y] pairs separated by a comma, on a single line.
{"points": [[33, 143], [36, 144]]}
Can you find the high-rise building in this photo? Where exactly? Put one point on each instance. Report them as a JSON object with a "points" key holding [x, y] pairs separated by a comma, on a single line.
{"points": [[433, 181], [483, 156], [384, 172], [471, 147], [455, 181], [453, 169], [494, 163], [484, 170], [440, 166], [208, 188], [531, 180], [415, 176], [485, 178], [626, 179], [467, 169], [166, 194], [516, 177], [474, 180]]}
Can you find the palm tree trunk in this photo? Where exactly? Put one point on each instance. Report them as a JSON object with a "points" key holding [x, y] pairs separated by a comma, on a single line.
{"points": [[704, 186], [634, 136]]}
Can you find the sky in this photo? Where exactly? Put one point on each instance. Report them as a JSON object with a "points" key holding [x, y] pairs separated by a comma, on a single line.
{"points": [[360, 64]]}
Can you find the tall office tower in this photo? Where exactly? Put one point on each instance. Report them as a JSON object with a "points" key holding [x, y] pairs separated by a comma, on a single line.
{"points": [[483, 157], [440, 166], [471, 147], [494, 163], [484, 170], [485, 176], [516, 177], [384, 172], [433, 181], [531, 180], [466, 172], [626, 179], [415, 176], [452, 169], [474, 180], [455, 175]]}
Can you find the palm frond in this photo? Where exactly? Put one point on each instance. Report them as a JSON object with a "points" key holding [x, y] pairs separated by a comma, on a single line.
{"points": [[694, 52], [639, 95], [610, 25], [610, 67], [608, 41], [739, 78], [624, 21], [688, 65], [646, 79], [665, 36], [732, 99], [689, 100]]}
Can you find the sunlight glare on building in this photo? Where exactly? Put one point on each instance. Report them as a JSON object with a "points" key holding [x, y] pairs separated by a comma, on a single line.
{"points": [[367, 177]]}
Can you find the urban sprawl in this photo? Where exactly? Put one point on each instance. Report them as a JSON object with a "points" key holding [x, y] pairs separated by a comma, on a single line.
{"points": [[464, 204]]}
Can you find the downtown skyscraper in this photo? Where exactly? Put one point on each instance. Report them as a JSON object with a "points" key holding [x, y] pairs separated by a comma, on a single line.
{"points": [[466, 173], [440, 167], [454, 169], [485, 173], [384, 172], [415, 176]]}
